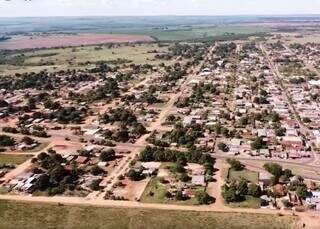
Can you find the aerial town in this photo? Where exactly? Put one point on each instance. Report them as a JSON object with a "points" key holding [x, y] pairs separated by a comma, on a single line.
{"points": [[206, 126]]}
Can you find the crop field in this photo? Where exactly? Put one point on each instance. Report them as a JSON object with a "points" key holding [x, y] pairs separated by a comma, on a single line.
{"points": [[64, 58], [16, 215]]}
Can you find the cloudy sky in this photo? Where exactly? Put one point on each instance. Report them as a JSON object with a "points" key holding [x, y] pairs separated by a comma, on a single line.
{"points": [[18, 8]]}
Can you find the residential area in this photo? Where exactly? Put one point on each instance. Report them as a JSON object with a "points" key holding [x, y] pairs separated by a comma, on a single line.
{"points": [[223, 125]]}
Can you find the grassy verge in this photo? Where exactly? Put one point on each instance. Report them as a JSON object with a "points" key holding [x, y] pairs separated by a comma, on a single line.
{"points": [[16, 215]]}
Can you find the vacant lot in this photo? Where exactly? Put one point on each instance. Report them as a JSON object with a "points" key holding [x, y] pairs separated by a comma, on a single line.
{"points": [[13, 159], [26, 42], [14, 215], [244, 174]]}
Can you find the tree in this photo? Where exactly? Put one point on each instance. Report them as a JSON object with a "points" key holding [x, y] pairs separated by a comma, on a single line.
{"points": [[3, 103], [168, 194], [223, 147], [108, 155], [254, 190], [134, 175], [235, 164], [56, 174], [179, 195], [43, 182], [184, 177], [203, 197], [274, 169], [6, 140], [243, 187], [288, 173], [229, 194], [27, 140], [139, 129], [95, 185], [258, 143], [178, 168], [302, 191], [96, 170]]}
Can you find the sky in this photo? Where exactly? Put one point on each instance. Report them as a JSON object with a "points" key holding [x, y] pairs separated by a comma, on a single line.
{"points": [[27, 8]]}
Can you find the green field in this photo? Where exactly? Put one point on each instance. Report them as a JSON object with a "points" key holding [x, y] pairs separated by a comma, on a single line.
{"points": [[64, 58], [13, 159], [189, 33], [14, 215], [251, 176]]}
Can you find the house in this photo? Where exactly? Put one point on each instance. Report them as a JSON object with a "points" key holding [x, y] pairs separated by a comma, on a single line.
{"points": [[150, 168], [264, 179], [314, 199], [292, 142], [82, 160], [198, 180]]}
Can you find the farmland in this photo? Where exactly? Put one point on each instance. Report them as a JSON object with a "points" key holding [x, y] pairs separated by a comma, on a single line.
{"points": [[49, 41], [189, 33], [17, 215], [64, 58]]}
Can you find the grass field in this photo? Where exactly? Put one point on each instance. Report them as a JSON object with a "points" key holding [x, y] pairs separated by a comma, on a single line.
{"points": [[188, 33], [244, 174], [64, 58], [14, 215], [13, 159]]}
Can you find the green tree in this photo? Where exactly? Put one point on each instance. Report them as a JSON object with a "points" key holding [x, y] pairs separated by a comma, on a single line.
{"points": [[235, 164], [254, 190], [203, 197], [107, 155], [302, 191], [274, 169]]}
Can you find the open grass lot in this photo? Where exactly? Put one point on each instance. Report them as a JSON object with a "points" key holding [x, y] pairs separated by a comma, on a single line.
{"points": [[16, 215], [251, 176], [13, 159], [64, 58]]}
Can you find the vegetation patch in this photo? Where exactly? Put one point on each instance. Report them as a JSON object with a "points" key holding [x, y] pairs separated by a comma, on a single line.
{"points": [[32, 216]]}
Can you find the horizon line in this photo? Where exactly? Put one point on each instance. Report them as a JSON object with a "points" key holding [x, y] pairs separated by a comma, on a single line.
{"points": [[174, 15]]}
